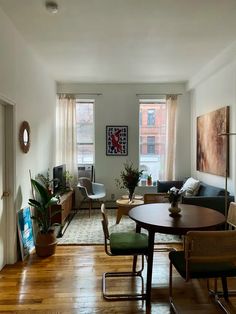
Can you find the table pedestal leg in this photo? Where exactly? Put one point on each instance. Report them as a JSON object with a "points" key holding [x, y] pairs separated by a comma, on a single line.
{"points": [[138, 230]]}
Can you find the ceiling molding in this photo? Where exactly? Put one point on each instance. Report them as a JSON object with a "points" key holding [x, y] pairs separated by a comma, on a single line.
{"points": [[223, 59]]}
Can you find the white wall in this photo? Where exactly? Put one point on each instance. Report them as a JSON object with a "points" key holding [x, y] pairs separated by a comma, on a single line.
{"points": [[212, 90], [119, 105], [25, 84]]}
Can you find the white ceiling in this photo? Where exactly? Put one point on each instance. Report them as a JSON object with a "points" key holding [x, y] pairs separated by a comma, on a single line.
{"points": [[125, 40]]}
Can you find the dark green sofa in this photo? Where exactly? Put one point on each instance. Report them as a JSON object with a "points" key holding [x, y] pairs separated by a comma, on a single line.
{"points": [[207, 196]]}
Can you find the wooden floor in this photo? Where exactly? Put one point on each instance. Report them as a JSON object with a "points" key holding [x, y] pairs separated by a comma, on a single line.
{"points": [[70, 282]]}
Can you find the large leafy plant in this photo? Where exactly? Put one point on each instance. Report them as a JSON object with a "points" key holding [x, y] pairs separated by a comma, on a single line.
{"points": [[129, 177], [42, 205]]}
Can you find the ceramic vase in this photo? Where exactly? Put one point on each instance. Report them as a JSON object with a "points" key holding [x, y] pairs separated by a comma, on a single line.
{"points": [[174, 209]]}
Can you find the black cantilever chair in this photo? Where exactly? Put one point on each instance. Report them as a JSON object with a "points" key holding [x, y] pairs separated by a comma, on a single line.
{"points": [[123, 244], [231, 217], [207, 254], [231, 223]]}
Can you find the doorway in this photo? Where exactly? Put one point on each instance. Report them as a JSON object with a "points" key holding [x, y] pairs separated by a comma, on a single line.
{"points": [[7, 186], [3, 215]]}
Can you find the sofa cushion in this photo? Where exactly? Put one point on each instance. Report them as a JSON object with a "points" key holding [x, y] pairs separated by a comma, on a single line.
{"points": [[164, 186], [190, 186], [209, 190]]}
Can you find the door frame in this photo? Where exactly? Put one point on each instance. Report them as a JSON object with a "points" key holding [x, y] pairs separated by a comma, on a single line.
{"points": [[10, 179]]}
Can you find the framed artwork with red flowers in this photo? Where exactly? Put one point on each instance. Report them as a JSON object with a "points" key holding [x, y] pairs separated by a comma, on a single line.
{"points": [[116, 140]]}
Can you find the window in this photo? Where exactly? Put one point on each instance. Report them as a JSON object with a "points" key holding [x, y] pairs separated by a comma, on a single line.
{"points": [[152, 138], [140, 118], [85, 131], [151, 117], [151, 145]]}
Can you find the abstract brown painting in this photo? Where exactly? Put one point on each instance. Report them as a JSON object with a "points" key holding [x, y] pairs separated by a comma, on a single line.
{"points": [[212, 155]]}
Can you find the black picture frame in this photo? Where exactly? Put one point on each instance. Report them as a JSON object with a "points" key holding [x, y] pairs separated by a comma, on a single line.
{"points": [[116, 140]]}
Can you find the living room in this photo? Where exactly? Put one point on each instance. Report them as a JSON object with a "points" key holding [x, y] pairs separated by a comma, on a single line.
{"points": [[29, 90]]}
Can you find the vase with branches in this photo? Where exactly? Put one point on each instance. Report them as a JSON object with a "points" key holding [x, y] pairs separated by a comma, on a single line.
{"points": [[174, 197], [129, 178]]}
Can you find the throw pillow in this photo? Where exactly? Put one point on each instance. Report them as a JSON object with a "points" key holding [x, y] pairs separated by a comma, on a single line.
{"points": [[190, 187]]}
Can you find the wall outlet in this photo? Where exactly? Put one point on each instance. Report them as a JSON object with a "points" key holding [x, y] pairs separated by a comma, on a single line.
{"points": [[112, 196]]}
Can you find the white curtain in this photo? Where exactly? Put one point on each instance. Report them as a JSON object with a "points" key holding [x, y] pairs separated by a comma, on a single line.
{"points": [[171, 102], [66, 148]]}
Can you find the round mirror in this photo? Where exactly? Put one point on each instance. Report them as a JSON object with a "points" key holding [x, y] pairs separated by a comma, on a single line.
{"points": [[24, 136]]}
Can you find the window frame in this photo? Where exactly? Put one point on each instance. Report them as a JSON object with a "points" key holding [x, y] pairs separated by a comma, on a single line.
{"points": [[81, 144], [155, 159]]}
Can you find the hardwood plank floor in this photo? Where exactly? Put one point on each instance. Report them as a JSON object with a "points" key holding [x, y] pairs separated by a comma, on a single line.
{"points": [[70, 282]]}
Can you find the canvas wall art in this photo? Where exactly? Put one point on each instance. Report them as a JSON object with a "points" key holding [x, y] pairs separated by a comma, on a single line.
{"points": [[212, 154], [116, 140], [25, 231]]}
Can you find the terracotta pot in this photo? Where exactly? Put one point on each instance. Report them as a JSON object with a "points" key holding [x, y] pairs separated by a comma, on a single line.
{"points": [[45, 244]]}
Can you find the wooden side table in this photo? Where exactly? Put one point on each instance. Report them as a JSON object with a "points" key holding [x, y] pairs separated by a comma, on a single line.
{"points": [[124, 206]]}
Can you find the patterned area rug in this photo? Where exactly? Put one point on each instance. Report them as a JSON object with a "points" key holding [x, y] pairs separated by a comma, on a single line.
{"points": [[83, 230]]}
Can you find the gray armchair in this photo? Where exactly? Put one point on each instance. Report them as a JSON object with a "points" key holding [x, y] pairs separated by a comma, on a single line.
{"points": [[91, 190]]}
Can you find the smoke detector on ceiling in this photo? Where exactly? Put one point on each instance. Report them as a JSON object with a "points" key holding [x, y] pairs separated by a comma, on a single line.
{"points": [[51, 6]]}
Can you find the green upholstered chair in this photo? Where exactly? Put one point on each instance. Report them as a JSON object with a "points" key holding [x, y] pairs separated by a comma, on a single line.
{"points": [[207, 254], [120, 244]]}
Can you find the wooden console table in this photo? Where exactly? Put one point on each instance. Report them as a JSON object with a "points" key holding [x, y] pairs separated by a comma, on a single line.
{"points": [[65, 207]]}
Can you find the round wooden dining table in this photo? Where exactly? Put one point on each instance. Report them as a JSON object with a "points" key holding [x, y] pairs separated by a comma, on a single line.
{"points": [[157, 218]]}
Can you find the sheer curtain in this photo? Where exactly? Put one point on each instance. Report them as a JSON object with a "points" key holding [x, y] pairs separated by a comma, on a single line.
{"points": [[66, 148], [171, 103]]}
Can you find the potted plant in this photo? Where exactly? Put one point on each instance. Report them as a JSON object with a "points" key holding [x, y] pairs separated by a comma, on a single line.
{"points": [[46, 239], [149, 180], [69, 180], [129, 178], [46, 181]]}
